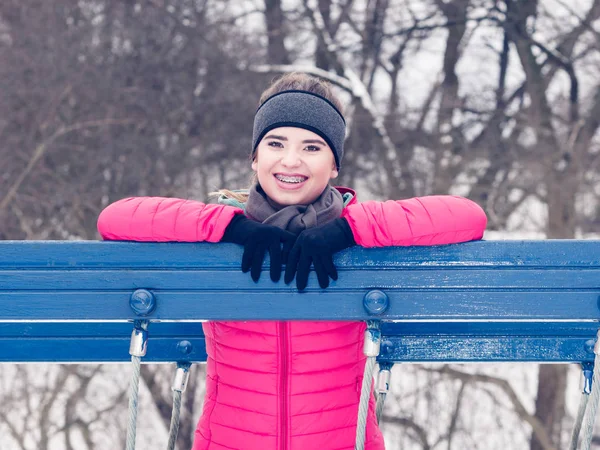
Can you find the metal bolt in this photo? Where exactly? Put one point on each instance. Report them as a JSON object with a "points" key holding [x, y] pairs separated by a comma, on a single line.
{"points": [[142, 301], [185, 347]]}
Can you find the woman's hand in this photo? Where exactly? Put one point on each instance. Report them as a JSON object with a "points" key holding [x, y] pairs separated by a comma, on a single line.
{"points": [[257, 238], [317, 246]]}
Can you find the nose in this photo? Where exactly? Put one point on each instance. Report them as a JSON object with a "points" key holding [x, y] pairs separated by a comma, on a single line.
{"points": [[290, 158]]}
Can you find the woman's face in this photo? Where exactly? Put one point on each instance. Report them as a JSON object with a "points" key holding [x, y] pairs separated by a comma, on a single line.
{"points": [[293, 165]]}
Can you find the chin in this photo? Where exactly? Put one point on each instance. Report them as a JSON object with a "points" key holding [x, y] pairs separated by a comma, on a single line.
{"points": [[287, 200], [283, 197]]}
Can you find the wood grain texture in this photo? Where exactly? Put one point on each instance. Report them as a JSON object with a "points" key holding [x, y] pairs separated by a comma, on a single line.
{"points": [[479, 301]]}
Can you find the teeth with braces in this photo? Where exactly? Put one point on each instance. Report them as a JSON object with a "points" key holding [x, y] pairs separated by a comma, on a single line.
{"points": [[290, 179]]}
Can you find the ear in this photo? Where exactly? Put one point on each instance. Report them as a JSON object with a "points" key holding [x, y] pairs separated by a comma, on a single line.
{"points": [[254, 164], [334, 173]]}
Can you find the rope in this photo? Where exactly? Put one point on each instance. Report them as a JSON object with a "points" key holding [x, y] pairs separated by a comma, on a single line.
{"points": [[583, 401], [380, 403], [133, 402], [363, 407], [371, 349], [382, 387], [590, 417], [174, 428], [137, 349], [178, 387]]}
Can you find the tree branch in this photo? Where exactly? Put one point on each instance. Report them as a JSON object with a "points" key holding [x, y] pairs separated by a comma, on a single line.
{"points": [[537, 427], [43, 147], [410, 424]]}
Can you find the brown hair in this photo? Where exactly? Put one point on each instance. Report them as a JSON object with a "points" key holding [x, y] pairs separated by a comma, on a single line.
{"points": [[289, 81], [302, 82]]}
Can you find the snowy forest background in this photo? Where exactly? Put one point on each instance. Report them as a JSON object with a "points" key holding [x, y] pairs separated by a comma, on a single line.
{"points": [[496, 100]]}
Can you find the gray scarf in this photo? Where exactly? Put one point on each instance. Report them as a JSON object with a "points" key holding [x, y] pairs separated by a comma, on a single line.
{"points": [[294, 218]]}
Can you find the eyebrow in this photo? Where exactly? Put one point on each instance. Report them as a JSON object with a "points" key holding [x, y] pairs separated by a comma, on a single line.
{"points": [[306, 141]]}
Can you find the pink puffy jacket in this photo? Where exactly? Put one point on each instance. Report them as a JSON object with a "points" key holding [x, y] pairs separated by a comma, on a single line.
{"points": [[289, 385]]}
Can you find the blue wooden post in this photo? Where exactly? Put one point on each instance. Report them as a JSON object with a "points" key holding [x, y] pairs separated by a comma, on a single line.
{"points": [[479, 301]]}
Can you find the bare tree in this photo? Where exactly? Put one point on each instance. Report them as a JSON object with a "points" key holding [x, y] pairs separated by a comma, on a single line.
{"points": [[53, 403], [495, 100]]}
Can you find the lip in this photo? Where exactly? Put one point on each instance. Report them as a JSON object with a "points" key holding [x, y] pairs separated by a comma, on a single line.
{"points": [[288, 186]]}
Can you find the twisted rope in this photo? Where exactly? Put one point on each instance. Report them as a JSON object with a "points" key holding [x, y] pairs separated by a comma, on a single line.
{"points": [[371, 349], [133, 402], [174, 428], [380, 403], [363, 407], [583, 401]]}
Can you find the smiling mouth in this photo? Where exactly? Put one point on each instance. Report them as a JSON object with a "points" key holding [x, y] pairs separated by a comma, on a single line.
{"points": [[291, 179]]}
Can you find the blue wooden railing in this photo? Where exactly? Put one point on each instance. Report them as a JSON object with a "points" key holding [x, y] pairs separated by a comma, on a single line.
{"points": [[479, 301]]}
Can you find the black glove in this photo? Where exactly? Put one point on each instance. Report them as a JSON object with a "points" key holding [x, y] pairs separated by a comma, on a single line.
{"points": [[257, 238], [317, 246]]}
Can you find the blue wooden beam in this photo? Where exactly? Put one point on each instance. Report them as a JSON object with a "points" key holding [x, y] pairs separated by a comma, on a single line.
{"points": [[479, 301], [402, 342], [98, 342]]}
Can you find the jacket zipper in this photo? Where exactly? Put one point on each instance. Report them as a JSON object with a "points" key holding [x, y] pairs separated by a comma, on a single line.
{"points": [[283, 385]]}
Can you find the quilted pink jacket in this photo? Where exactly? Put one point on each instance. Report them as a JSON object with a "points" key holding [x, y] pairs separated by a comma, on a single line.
{"points": [[289, 385]]}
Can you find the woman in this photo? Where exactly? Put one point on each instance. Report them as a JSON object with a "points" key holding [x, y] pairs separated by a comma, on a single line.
{"points": [[291, 385]]}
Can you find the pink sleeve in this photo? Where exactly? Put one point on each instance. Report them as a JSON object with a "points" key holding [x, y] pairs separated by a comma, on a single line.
{"points": [[159, 219], [433, 220]]}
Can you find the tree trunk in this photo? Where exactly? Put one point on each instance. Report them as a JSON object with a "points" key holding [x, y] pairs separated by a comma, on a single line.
{"points": [[550, 402], [450, 140], [560, 200], [276, 51], [322, 59]]}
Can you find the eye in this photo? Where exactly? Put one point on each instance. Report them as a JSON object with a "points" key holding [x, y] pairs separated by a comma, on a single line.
{"points": [[275, 144], [313, 148]]}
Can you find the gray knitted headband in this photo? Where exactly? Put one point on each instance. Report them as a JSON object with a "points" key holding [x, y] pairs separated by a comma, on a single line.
{"points": [[301, 109]]}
